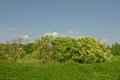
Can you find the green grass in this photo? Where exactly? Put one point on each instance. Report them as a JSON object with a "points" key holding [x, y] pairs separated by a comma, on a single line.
{"points": [[57, 71]]}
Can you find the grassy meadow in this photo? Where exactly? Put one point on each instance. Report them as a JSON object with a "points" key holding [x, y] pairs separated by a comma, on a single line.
{"points": [[60, 71]]}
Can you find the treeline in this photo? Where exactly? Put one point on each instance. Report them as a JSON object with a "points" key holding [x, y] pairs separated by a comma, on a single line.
{"points": [[115, 49], [49, 48]]}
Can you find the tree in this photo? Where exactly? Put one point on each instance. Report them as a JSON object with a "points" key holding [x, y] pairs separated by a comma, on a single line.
{"points": [[13, 51], [28, 48], [115, 49], [42, 48], [2, 51]]}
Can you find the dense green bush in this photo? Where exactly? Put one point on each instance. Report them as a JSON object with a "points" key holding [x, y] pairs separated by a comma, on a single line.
{"points": [[28, 48], [82, 50], [14, 50], [88, 50], [2, 51], [43, 48], [62, 48], [11, 51], [115, 49]]}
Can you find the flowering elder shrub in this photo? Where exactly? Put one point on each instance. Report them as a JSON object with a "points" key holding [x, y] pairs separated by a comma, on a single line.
{"points": [[82, 50], [13, 51], [62, 48], [88, 50], [43, 48], [2, 51]]}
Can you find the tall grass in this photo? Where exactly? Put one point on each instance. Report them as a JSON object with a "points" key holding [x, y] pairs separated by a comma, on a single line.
{"points": [[60, 71]]}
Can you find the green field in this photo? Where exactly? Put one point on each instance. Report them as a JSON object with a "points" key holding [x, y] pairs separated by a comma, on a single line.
{"points": [[60, 71]]}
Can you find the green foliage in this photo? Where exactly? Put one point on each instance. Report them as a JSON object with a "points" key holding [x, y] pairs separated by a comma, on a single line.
{"points": [[42, 48], [28, 58], [28, 48], [49, 48], [62, 47], [116, 58], [115, 49], [14, 50], [11, 51], [82, 50], [2, 51], [88, 50]]}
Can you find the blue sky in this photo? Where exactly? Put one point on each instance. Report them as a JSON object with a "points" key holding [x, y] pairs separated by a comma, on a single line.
{"points": [[97, 18]]}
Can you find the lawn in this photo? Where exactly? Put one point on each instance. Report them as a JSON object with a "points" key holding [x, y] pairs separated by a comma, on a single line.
{"points": [[60, 71]]}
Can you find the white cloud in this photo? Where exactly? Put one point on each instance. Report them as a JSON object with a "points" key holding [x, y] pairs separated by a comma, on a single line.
{"points": [[46, 34], [53, 34], [70, 32], [26, 37]]}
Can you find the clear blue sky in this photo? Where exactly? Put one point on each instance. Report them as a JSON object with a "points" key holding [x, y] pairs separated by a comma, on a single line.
{"points": [[97, 18]]}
